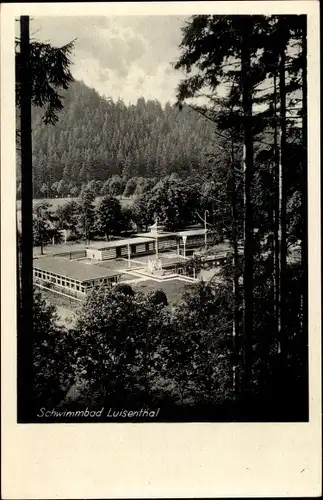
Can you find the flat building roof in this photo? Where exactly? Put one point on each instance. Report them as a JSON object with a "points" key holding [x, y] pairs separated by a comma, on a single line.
{"points": [[76, 270], [192, 232], [119, 243], [153, 236]]}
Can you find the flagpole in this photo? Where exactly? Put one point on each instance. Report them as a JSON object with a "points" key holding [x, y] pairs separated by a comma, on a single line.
{"points": [[156, 224], [155, 227], [129, 265]]}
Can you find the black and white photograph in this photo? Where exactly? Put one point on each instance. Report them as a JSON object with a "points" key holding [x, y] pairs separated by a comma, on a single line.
{"points": [[158, 264], [162, 218]]}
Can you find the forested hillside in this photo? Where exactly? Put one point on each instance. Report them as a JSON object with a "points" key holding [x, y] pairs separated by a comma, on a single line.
{"points": [[96, 138]]}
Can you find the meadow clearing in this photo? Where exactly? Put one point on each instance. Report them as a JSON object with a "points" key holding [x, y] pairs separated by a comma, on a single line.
{"points": [[57, 202]]}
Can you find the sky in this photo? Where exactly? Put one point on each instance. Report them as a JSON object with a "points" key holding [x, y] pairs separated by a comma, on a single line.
{"points": [[121, 57]]}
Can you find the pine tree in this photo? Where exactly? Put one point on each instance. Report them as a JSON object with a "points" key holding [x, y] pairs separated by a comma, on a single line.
{"points": [[42, 226], [237, 40], [86, 213], [41, 71], [108, 216], [248, 70]]}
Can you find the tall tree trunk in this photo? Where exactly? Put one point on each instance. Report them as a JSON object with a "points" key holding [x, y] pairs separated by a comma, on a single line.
{"points": [[304, 248], [41, 246], [235, 328], [282, 197], [305, 146], [25, 325], [248, 206], [146, 367], [18, 271], [276, 224]]}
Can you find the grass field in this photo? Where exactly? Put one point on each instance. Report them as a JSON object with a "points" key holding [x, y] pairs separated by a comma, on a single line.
{"points": [[67, 308], [70, 246], [60, 300], [57, 202], [172, 289]]}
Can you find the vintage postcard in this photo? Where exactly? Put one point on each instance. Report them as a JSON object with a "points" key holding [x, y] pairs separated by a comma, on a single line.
{"points": [[160, 194]]}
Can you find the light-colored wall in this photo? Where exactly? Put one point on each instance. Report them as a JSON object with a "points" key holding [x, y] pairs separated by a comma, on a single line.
{"points": [[94, 253]]}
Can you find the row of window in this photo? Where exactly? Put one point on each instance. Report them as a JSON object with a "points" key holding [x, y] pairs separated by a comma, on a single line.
{"points": [[59, 280], [137, 249], [166, 244], [194, 240], [71, 283]]}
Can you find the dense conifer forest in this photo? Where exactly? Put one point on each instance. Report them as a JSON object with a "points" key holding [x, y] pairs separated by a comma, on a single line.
{"points": [[96, 138]]}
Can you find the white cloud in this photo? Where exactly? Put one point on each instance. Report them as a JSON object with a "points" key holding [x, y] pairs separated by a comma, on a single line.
{"points": [[127, 57]]}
